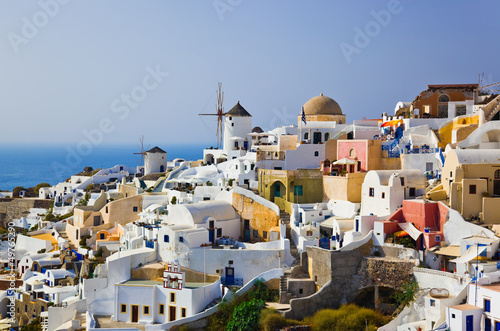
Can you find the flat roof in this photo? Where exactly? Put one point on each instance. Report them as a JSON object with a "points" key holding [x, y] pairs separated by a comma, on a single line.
{"points": [[493, 286], [150, 282], [465, 306]]}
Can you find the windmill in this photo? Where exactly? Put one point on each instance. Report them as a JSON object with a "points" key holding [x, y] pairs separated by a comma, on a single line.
{"points": [[143, 151], [219, 113]]}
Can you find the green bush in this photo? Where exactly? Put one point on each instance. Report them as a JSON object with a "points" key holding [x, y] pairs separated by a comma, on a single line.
{"points": [[246, 316], [270, 320], [16, 190], [174, 200], [348, 318]]}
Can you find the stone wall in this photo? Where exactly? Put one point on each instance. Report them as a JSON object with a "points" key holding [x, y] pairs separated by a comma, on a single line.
{"points": [[17, 208], [384, 272]]}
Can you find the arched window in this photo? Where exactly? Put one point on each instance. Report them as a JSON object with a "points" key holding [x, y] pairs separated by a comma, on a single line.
{"points": [[306, 136], [444, 98], [497, 174], [352, 153], [327, 136]]}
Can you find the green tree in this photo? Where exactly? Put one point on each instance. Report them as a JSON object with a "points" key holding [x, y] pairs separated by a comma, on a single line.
{"points": [[174, 200], [246, 316], [408, 293]]}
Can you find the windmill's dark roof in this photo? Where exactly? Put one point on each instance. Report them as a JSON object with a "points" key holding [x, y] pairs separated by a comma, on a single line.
{"points": [[257, 129], [238, 110], [156, 149]]}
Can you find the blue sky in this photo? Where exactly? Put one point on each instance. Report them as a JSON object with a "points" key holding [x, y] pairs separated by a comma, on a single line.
{"points": [[67, 80]]}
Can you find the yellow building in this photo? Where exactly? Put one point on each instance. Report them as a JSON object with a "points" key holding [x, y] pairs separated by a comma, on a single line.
{"points": [[284, 187], [471, 180]]}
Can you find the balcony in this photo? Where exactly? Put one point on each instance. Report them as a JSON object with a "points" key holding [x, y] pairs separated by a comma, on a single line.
{"points": [[231, 281]]}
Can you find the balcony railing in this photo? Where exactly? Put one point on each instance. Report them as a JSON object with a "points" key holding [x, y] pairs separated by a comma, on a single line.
{"points": [[231, 281]]}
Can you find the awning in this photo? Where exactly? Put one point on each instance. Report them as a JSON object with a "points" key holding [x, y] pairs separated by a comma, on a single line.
{"points": [[450, 250], [471, 254], [345, 161], [411, 230], [400, 234]]}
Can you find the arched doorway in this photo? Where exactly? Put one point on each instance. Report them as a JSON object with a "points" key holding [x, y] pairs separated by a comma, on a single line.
{"points": [[278, 191], [496, 183]]}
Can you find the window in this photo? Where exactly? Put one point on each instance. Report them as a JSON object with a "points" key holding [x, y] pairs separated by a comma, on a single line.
{"points": [[219, 233], [246, 167], [402, 179], [412, 192], [123, 308], [255, 233], [444, 98], [232, 124], [316, 153], [433, 303], [487, 306], [452, 315], [161, 309], [306, 135], [472, 189], [230, 262], [327, 136], [135, 209], [461, 110], [183, 312], [264, 234], [166, 238], [172, 297], [352, 153], [297, 190], [301, 291], [107, 209], [429, 166], [181, 239], [309, 233], [383, 195], [145, 310], [371, 192], [437, 238], [252, 166]]}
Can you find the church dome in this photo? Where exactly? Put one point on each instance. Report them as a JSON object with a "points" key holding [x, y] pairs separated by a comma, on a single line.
{"points": [[322, 105]]}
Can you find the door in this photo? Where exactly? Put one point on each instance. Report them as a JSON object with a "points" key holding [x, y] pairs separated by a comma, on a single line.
{"points": [[496, 187], [246, 233], [317, 137], [135, 314], [211, 227], [229, 276], [469, 320], [487, 324], [171, 313]]}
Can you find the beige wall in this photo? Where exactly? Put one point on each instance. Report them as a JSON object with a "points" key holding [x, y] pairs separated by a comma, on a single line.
{"points": [[347, 188], [122, 211], [261, 217], [288, 142], [128, 190], [491, 212], [331, 150], [472, 204]]}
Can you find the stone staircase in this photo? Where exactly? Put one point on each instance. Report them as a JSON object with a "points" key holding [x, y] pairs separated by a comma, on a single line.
{"points": [[285, 218], [64, 235], [213, 303], [492, 108]]}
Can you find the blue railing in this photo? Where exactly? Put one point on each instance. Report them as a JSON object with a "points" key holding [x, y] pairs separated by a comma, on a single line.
{"points": [[422, 150], [231, 281], [150, 243], [78, 255], [441, 156], [393, 153]]}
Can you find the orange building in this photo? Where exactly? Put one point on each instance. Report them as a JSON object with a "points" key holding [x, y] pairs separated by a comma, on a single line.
{"points": [[433, 102]]}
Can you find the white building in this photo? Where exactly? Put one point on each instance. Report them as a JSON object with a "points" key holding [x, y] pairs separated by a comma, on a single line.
{"points": [[155, 161], [383, 191]]}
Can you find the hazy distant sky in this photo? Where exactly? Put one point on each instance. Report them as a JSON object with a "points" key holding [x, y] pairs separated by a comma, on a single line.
{"points": [[70, 70]]}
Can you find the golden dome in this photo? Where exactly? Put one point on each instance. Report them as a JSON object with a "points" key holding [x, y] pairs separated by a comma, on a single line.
{"points": [[322, 105]]}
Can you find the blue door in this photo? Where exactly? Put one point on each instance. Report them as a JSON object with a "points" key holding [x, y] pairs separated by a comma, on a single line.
{"points": [[487, 324], [229, 276], [324, 243], [469, 323], [211, 235]]}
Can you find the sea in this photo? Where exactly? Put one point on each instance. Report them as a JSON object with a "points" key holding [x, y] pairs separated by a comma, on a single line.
{"points": [[28, 165]]}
